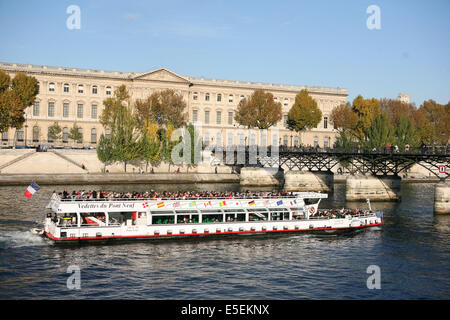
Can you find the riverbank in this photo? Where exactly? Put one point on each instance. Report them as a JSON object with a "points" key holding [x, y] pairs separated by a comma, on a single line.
{"points": [[117, 178]]}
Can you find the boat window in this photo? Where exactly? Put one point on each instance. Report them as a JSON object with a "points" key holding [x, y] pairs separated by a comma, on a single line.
{"points": [[257, 210], [278, 209], [311, 201], [163, 219], [187, 218], [279, 215], [68, 220], [212, 218], [258, 216], [93, 219], [116, 218], [233, 217]]}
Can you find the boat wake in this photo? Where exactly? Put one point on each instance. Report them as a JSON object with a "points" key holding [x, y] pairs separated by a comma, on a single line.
{"points": [[18, 239]]}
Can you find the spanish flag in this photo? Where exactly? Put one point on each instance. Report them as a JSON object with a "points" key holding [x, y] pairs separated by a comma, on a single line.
{"points": [[160, 205]]}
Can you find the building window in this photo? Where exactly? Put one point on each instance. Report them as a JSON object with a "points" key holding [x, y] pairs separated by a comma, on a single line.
{"points": [[230, 98], [230, 118], [108, 91], [94, 111], [241, 98], [80, 88], [295, 141], [219, 117], [325, 122], [195, 96], [5, 136], [207, 97], [206, 117], [35, 134], [36, 109], [80, 130], [275, 99], [80, 111], [316, 142], [66, 87], [219, 97], [93, 136], [51, 109], [326, 142], [94, 89], [65, 110], [51, 87], [65, 135], [194, 115], [230, 139], [285, 121], [285, 140], [108, 133], [286, 102], [20, 135]]}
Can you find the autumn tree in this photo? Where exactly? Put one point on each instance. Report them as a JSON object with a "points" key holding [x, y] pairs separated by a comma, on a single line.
{"points": [[164, 108], [396, 108], [258, 111], [304, 114], [343, 117], [15, 96], [367, 111]]}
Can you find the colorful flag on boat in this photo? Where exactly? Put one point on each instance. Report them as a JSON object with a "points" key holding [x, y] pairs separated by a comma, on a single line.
{"points": [[251, 203], [293, 202], [32, 188], [145, 204], [192, 204], [207, 204], [160, 205], [222, 203], [279, 203], [176, 204]]}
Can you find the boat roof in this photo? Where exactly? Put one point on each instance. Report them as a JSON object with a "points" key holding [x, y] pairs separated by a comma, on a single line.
{"points": [[123, 204]]}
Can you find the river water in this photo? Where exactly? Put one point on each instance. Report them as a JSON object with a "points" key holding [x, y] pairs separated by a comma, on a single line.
{"points": [[411, 251]]}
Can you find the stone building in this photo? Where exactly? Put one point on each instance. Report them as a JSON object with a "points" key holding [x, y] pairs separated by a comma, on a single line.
{"points": [[73, 95]]}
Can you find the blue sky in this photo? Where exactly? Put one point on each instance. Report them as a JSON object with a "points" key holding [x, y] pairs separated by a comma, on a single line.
{"points": [[319, 43]]}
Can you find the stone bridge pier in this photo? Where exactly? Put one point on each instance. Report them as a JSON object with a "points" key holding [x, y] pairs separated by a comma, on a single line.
{"points": [[376, 188]]}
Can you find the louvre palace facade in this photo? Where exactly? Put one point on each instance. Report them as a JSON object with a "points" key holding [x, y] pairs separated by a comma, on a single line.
{"points": [[72, 95]]}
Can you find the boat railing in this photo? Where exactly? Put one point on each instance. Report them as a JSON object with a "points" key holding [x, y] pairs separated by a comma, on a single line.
{"points": [[177, 199]]}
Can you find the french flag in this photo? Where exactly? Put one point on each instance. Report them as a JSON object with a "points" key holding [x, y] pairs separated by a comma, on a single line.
{"points": [[32, 188]]}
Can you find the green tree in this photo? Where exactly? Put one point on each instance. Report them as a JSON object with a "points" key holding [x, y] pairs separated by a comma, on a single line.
{"points": [[105, 151], [258, 111], [406, 132], [55, 131], [304, 114], [380, 133], [75, 133]]}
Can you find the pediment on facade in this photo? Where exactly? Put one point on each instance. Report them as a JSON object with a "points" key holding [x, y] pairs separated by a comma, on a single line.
{"points": [[162, 75]]}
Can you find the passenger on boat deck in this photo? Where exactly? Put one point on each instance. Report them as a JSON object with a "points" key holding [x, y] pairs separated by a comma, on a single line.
{"points": [[177, 195]]}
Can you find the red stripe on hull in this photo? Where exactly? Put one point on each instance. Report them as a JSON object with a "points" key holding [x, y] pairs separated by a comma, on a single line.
{"points": [[68, 239]]}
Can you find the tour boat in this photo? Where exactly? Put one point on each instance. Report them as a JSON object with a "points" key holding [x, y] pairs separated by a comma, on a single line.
{"points": [[115, 220]]}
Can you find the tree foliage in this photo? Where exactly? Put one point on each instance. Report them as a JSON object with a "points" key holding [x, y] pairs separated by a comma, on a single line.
{"points": [[15, 96], [75, 133], [55, 131], [304, 114], [367, 111], [380, 132], [258, 111], [343, 117]]}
